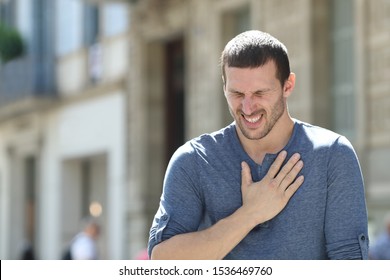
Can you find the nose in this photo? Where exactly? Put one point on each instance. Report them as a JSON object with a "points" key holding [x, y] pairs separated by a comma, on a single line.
{"points": [[247, 105]]}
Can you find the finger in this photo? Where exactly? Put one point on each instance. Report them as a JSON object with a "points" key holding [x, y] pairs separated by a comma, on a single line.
{"points": [[275, 167], [294, 187], [291, 175], [246, 176], [287, 168]]}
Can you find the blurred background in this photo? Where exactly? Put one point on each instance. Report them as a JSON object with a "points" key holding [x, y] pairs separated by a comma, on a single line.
{"points": [[95, 95]]}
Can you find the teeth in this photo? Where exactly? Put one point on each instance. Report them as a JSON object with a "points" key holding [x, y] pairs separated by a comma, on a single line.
{"points": [[252, 120]]}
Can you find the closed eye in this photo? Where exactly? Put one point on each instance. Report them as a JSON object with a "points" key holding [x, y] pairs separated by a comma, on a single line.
{"points": [[236, 93]]}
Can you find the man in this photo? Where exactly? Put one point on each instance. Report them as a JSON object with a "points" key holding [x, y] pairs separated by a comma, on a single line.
{"points": [[267, 186], [84, 246]]}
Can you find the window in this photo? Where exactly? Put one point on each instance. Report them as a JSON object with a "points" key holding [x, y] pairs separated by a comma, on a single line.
{"points": [[175, 95], [235, 22], [115, 19], [7, 13], [91, 24]]}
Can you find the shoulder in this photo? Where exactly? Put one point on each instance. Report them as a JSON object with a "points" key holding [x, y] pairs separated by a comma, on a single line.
{"points": [[81, 239], [205, 145], [320, 137], [317, 133], [327, 145], [216, 138]]}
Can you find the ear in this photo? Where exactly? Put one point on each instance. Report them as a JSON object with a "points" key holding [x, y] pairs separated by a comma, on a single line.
{"points": [[289, 85], [223, 85]]}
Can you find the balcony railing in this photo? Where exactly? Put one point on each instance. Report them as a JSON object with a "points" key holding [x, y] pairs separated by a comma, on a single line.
{"points": [[28, 77], [102, 63]]}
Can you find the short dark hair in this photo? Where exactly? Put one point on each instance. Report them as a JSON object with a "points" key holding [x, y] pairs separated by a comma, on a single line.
{"points": [[253, 49]]}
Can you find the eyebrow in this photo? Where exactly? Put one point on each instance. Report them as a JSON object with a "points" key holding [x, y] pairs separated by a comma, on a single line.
{"points": [[232, 90]]}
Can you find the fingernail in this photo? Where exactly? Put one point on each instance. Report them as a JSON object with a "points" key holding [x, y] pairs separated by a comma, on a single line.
{"points": [[296, 156], [283, 153]]}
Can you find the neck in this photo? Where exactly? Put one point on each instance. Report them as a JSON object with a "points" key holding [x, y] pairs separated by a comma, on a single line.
{"points": [[272, 143]]}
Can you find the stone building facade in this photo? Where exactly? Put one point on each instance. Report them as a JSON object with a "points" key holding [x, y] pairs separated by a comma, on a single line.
{"points": [[338, 50], [128, 81], [62, 126]]}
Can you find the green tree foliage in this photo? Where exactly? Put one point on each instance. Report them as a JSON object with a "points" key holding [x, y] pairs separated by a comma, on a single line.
{"points": [[11, 43]]}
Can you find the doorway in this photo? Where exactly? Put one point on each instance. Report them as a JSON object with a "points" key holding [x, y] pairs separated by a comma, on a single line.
{"points": [[84, 194], [174, 95], [165, 69]]}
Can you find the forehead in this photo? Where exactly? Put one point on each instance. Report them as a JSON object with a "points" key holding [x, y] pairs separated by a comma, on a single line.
{"points": [[264, 75]]}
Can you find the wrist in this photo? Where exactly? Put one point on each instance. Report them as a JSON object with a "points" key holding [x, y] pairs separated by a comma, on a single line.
{"points": [[248, 218]]}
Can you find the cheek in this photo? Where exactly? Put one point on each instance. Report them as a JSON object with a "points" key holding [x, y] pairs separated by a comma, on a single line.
{"points": [[230, 101]]}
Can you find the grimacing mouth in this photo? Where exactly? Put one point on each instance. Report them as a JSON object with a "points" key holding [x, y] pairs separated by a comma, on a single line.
{"points": [[253, 118]]}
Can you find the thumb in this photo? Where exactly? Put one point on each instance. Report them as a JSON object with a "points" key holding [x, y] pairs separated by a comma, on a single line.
{"points": [[246, 176]]}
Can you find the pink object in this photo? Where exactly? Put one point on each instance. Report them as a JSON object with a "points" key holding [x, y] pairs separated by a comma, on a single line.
{"points": [[143, 255]]}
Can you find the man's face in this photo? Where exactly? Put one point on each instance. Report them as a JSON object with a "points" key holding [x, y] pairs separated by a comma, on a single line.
{"points": [[255, 98]]}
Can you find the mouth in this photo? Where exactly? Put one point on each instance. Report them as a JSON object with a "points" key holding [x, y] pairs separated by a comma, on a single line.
{"points": [[254, 119]]}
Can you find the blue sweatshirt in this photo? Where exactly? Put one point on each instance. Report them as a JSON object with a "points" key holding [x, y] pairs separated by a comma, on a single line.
{"points": [[325, 219]]}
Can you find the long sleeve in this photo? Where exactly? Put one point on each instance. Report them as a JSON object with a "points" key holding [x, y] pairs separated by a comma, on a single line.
{"points": [[346, 213]]}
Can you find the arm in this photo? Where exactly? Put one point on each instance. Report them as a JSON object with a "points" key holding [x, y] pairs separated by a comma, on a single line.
{"points": [[212, 243], [346, 215], [261, 202]]}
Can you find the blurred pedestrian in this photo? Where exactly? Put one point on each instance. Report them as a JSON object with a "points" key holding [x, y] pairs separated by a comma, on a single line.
{"points": [[27, 251], [84, 245], [380, 249]]}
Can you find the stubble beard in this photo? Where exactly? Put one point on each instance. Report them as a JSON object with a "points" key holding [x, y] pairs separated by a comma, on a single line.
{"points": [[276, 114]]}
